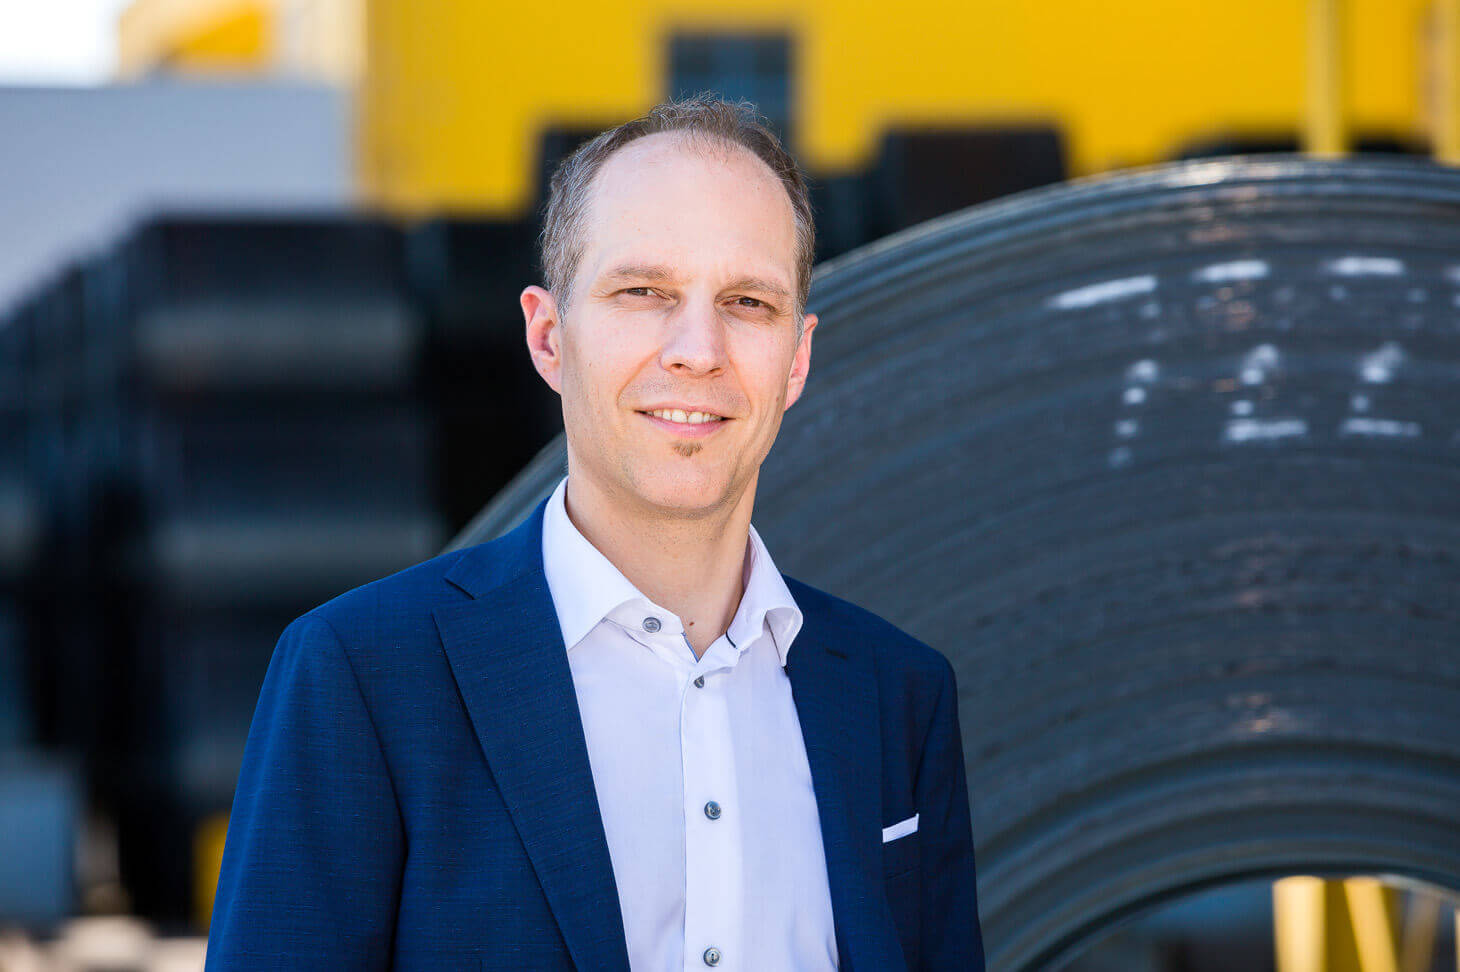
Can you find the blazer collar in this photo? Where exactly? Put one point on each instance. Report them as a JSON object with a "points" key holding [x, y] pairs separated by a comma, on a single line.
{"points": [[506, 651], [834, 684]]}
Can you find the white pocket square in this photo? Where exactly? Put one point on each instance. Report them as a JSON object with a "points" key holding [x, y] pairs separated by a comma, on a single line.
{"points": [[900, 829]]}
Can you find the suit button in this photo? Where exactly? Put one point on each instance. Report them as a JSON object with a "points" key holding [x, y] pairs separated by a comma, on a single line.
{"points": [[712, 956], [712, 810], [651, 625]]}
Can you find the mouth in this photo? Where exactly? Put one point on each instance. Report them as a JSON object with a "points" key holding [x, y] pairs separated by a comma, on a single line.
{"points": [[685, 423]]}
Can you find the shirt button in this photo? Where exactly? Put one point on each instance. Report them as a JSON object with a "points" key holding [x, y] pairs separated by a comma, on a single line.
{"points": [[700, 682], [712, 956], [712, 810], [651, 625]]}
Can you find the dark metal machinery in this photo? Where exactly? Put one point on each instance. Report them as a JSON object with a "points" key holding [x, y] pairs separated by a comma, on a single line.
{"points": [[1168, 464], [214, 424]]}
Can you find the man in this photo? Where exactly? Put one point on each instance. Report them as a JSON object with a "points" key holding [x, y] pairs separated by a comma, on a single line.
{"points": [[617, 738]]}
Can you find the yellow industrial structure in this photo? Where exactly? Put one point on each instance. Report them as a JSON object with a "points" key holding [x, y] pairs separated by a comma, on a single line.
{"points": [[454, 95], [316, 39]]}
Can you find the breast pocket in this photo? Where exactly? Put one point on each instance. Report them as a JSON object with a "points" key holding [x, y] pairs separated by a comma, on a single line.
{"points": [[902, 882], [900, 855]]}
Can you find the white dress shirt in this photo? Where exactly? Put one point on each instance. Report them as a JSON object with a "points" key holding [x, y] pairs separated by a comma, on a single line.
{"points": [[699, 767]]}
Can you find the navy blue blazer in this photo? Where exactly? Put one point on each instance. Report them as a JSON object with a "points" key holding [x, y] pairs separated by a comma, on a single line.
{"points": [[416, 792]]}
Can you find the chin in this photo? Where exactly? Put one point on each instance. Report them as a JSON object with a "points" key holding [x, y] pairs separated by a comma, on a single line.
{"points": [[681, 492]]}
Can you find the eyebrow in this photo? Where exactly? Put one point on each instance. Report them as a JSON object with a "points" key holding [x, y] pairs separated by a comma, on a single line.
{"points": [[661, 274], [635, 271], [761, 285]]}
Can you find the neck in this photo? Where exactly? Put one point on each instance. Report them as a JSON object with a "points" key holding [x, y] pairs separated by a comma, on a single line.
{"points": [[691, 565]]}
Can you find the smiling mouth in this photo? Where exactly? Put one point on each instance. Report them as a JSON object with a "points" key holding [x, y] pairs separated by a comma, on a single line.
{"points": [[685, 418]]}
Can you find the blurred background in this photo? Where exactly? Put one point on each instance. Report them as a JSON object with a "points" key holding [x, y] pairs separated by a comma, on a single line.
{"points": [[259, 338]]}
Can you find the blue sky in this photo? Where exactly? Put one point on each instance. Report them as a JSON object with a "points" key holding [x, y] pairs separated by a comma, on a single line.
{"points": [[58, 41]]}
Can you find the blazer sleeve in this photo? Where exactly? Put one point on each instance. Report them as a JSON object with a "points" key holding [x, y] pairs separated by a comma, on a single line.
{"points": [[312, 862], [950, 933]]}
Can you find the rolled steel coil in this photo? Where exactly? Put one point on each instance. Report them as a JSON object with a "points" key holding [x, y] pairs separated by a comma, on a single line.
{"points": [[1167, 463]]}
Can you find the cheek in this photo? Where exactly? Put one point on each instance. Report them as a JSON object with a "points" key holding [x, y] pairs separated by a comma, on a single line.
{"points": [[602, 368], [580, 397], [766, 380]]}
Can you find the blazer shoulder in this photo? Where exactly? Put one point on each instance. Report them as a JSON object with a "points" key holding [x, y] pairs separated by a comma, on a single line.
{"points": [[418, 585], [892, 647]]}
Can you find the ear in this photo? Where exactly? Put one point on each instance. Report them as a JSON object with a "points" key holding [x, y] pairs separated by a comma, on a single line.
{"points": [[544, 335], [801, 363]]}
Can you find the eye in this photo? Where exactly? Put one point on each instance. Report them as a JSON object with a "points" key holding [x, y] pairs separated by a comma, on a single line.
{"points": [[750, 302], [639, 291]]}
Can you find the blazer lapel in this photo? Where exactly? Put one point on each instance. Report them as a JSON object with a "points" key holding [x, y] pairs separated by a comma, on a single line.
{"points": [[835, 690], [506, 652]]}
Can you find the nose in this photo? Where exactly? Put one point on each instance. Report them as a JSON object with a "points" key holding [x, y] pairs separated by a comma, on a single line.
{"points": [[694, 339]]}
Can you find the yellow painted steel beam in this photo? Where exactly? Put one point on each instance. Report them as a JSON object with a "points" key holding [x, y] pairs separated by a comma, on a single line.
{"points": [[1300, 920], [207, 865], [1323, 132], [1373, 923], [1445, 119]]}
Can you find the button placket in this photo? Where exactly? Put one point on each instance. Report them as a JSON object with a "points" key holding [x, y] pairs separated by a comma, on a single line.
{"points": [[713, 876]]}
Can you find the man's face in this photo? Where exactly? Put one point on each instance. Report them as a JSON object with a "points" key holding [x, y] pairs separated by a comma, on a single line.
{"points": [[683, 303]]}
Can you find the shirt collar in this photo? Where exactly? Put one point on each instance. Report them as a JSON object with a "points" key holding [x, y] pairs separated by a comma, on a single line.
{"points": [[766, 602], [587, 588]]}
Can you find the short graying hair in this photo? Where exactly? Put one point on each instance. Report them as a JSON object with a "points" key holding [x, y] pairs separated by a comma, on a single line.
{"points": [[709, 120]]}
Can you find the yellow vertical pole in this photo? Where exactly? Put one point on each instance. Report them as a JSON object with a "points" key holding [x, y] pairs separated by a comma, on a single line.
{"points": [[1324, 133], [1373, 925], [207, 864], [1446, 80], [1299, 924]]}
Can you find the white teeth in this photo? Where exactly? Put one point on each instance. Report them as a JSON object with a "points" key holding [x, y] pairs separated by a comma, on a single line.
{"points": [[680, 415]]}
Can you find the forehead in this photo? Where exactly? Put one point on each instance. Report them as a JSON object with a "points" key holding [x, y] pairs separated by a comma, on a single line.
{"points": [[700, 207]]}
